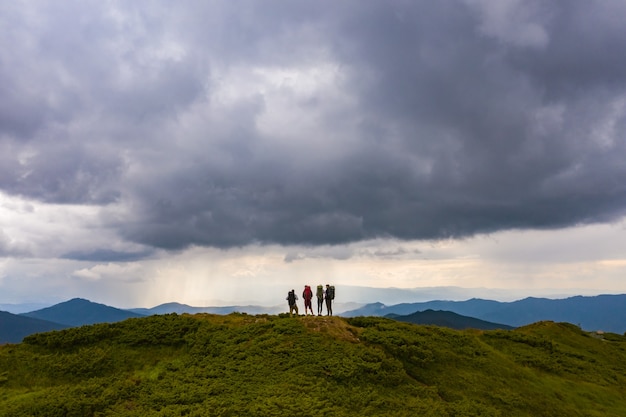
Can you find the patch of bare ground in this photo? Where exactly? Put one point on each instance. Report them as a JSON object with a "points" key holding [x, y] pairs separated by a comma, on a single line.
{"points": [[332, 326]]}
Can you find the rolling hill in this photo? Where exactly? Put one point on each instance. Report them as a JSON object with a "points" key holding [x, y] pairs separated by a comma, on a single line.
{"points": [[238, 364]]}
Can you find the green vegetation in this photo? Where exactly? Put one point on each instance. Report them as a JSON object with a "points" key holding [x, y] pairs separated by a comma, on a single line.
{"points": [[209, 365]]}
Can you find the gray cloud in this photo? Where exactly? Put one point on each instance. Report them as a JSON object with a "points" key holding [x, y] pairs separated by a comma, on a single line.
{"points": [[10, 248], [102, 255], [315, 123]]}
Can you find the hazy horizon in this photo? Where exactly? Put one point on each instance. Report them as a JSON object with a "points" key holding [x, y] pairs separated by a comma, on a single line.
{"points": [[351, 295]]}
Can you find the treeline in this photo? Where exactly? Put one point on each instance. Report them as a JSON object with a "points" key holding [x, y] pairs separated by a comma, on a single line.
{"points": [[205, 365]]}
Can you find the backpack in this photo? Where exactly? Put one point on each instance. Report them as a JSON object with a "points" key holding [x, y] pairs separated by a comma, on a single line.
{"points": [[320, 291], [331, 292], [307, 294], [291, 298]]}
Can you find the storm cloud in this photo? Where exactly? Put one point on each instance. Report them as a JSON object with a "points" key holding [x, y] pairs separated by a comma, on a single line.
{"points": [[223, 124]]}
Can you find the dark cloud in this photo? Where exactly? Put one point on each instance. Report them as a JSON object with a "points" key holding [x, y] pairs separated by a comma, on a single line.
{"points": [[441, 119], [102, 255]]}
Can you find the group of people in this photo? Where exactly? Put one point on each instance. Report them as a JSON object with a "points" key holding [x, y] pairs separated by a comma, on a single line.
{"points": [[327, 295]]}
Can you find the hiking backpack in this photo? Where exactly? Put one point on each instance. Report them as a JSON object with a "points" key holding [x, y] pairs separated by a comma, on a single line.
{"points": [[291, 298], [308, 293], [331, 292], [320, 291]]}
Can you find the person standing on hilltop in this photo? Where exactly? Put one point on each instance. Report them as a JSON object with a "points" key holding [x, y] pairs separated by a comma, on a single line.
{"points": [[320, 299], [329, 294], [307, 295], [291, 299]]}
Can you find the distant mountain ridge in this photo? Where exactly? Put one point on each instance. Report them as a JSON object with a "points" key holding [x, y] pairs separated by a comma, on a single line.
{"points": [[601, 312], [448, 319], [79, 312], [14, 328], [179, 308]]}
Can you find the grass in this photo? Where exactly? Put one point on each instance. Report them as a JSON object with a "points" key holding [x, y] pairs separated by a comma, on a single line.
{"points": [[208, 365]]}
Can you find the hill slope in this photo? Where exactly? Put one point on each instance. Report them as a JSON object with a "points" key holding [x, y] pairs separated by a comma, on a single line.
{"points": [[78, 312], [448, 319], [13, 327], [267, 365]]}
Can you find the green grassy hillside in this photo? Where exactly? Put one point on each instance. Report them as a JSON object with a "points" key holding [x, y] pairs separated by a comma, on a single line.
{"points": [[207, 365]]}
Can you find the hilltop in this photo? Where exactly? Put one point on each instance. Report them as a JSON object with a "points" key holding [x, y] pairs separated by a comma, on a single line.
{"points": [[238, 364]]}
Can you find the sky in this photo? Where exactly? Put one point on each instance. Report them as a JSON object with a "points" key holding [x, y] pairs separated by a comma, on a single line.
{"points": [[226, 151]]}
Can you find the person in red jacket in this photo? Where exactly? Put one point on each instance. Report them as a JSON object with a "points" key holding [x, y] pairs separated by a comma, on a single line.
{"points": [[307, 295]]}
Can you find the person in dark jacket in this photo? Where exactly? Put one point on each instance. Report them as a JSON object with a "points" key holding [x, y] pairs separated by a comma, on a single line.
{"points": [[291, 299], [329, 300]]}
